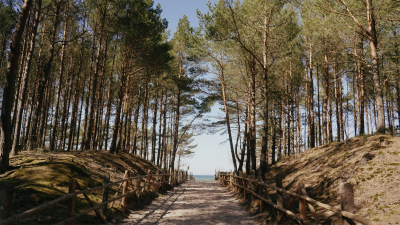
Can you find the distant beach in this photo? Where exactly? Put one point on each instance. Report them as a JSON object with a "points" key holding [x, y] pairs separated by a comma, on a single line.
{"points": [[204, 177]]}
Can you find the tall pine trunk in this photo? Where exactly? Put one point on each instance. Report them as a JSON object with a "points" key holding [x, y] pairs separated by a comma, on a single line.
{"points": [[8, 93], [60, 82], [42, 87], [177, 115], [373, 43], [113, 147], [22, 95], [153, 135], [228, 124], [326, 100], [89, 135]]}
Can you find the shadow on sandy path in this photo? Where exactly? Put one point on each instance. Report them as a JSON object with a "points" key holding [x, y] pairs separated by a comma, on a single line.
{"points": [[195, 202], [167, 203]]}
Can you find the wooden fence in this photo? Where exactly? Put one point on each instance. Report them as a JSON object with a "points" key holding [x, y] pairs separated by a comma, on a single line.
{"points": [[249, 185], [157, 180]]}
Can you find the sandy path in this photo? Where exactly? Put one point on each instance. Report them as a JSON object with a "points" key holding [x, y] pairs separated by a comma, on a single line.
{"points": [[195, 202]]}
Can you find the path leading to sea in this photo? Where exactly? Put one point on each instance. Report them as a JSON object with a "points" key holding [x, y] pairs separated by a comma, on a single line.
{"points": [[194, 202]]}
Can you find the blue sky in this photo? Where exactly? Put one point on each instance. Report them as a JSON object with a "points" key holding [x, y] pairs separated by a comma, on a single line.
{"points": [[173, 10], [210, 155]]}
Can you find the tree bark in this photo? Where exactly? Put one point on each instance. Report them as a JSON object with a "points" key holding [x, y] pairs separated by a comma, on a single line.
{"points": [[336, 77], [176, 128], [22, 95], [60, 83], [74, 113], [89, 135], [319, 113], [373, 43], [164, 134], [264, 142], [113, 147], [312, 125], [8, 93], [135, 124], [228, 125], [109, 102], [252, 113], [397, 52], [153, 135], [326, 100], [159, 155], [46, 75]]}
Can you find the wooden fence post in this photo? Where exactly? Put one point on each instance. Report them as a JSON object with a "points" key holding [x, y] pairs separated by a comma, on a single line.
{"points": [[226, 178], [71, 201], [163, 184], [252, 185], [106, 180], [240, 181], [170, 177], [176, 178], [347, 201], [156, 187], [231, 181], [148, 182], [6, 198], [137, 187], [124, 191], [302, 206], [244, 186], [312, 209], [279, 199], [260, 192], [235, 181], [173, 173]]}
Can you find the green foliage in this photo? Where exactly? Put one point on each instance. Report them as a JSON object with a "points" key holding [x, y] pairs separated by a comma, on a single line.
{"points": [[8, 17]]}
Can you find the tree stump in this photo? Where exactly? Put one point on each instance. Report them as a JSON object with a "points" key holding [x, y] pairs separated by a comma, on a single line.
{"points": [[347, 201], [71, 201]]}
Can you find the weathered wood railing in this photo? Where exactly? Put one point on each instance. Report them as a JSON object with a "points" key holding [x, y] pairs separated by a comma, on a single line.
{"points": [[249, 184], [158, 181]]}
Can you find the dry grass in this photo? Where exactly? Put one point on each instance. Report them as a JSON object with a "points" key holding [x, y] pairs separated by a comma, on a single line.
{"points": [[322, 169], [40, 177]]}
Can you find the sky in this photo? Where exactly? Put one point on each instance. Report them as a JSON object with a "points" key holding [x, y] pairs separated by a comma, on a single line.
{"points": [[209, 155], [173, 10]]}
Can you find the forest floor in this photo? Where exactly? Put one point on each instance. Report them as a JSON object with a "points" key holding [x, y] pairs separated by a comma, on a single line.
{"points": [[374, 172], [40, 176]]}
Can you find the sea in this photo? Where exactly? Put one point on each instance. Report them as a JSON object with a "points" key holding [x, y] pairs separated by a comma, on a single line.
{"points": [[204, 177]]}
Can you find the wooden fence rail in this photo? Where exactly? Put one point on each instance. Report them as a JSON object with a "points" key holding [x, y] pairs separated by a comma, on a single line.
{"points": [[156, 180], [245, 184]]}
